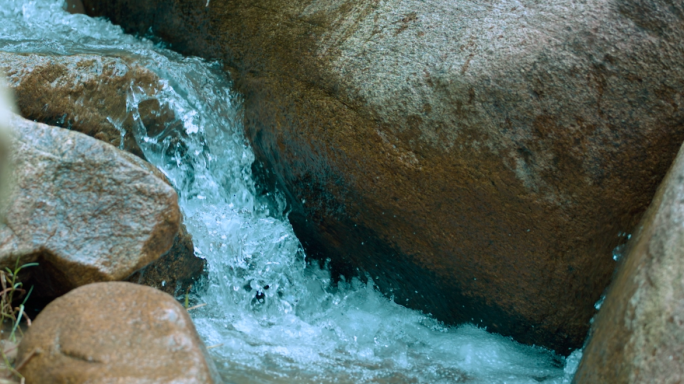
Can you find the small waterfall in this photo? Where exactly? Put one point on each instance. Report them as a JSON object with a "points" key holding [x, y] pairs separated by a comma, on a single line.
{"points": [[271, 317]]}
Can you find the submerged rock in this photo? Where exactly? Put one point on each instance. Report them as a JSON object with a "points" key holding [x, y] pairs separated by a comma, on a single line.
{"points": [[477, 159], [638, 335], [85, 211], [86, 93], [115, 333]]}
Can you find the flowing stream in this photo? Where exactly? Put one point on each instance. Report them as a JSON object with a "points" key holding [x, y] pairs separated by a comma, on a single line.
{"points": [[270, 317]]}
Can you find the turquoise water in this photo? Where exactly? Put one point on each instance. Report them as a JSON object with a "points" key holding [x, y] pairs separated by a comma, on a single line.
{"points": [[270, 318]]}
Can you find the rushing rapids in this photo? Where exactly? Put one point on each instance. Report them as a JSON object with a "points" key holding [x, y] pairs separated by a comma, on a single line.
{"points": [[269, 316]]}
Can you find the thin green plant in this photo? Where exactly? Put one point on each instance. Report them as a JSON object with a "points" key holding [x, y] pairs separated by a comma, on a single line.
{"points": [[10, 366], [186, 304], [11, 289]]}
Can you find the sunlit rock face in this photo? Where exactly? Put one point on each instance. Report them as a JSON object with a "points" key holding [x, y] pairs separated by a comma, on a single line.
{"points": [[638, 335], [83, 209], [477, 160], [115, 333]]}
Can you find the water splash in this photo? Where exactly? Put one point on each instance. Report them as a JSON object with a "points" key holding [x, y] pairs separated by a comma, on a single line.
{"points": [[272, 318], [619, 250]]}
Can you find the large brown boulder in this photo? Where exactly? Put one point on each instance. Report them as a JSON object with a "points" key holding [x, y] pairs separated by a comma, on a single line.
{"points": [[638, 335], [86, 93], [115, 333], [478, 159], [84, 210]]}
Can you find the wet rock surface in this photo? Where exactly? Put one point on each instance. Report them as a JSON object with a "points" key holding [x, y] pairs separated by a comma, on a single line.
{"points": [[115, 332], [638, 335], [174, 271], [83, 209], [86, 93], [478, 160]]}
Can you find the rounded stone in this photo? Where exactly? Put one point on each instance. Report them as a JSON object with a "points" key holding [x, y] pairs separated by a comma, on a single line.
{"points": [[115, 332]]}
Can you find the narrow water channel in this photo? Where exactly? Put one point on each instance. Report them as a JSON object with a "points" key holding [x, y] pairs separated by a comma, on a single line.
{"points": [[270, 317]]}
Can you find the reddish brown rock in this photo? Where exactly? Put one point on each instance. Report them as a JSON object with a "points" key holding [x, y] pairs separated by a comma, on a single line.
{"points": [[86, 93], [478, 159], [638, 335], [115, 333], [83, 209]]}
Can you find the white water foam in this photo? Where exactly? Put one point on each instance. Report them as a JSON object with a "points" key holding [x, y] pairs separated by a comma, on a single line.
{"points": [[272, 318]]}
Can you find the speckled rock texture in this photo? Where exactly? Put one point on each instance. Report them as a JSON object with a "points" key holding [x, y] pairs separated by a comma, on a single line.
{"points": [[86, 93], [83, 209], [638, 335], [115, 332], [477, 159]]}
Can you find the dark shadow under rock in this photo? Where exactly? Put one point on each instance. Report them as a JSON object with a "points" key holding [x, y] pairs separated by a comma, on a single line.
{"points": [[176, 270]]}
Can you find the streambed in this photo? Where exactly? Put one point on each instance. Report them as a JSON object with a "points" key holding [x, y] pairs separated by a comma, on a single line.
{"points": [[270, 317]]}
